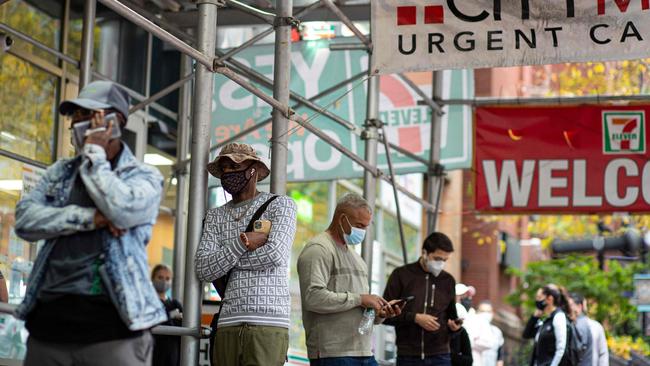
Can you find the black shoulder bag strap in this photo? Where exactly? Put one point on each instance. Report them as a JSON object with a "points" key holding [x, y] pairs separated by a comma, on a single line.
{"points": [[221, 282]]}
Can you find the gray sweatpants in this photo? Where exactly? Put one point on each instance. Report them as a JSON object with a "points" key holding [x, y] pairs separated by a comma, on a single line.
{"points": [[124, 352]]}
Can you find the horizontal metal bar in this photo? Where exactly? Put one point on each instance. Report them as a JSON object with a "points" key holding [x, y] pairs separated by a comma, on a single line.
{"points": [[348, 47], [265, 16], [547, 100], [428, 206], [230, 74], [180, 331], [39, 45], [136, 95], [245, 45], [323, 136], [407, 153], [252, 74], [7, 308], [425, 98], [348, 23], [162, 22], [22, 159], [159, 32], [162, 93]]}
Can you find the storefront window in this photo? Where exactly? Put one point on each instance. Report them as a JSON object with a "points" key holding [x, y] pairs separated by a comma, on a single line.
{"points": [[27, 109], [16, 255], [36, 24]]}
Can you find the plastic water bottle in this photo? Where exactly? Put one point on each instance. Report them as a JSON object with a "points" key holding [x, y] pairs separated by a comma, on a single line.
{"points": [[368, 319]]}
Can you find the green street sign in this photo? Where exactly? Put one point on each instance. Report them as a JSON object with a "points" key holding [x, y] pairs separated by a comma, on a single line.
{"points": [[315, 68]]}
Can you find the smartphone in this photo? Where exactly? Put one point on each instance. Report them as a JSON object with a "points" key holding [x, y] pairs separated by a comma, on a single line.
{"points": [[79, 129], [262, 226], [404, 300]]}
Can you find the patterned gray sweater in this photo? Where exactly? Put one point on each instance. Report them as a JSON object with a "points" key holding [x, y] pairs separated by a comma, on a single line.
{"points": [[258, 288]]}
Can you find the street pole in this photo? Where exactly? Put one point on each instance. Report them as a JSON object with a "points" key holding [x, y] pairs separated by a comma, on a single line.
{"points": [[87, 43], [203, 85], [182, 189], [370, 135], [435, 175], [281, 80]]}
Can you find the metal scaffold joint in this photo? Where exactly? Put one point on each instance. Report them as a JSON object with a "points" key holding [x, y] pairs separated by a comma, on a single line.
{"points": [[220, 3], [438, 170], [285, 21]]}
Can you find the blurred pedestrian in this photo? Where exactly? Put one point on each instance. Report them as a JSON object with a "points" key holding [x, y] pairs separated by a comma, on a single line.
{"points": [[464, 295], [548, 326], [460, 346], [600, 355], [4, 295], [336, 299], [166, 349], [582, 330], [89, 300], [487, 340], [245, 247], [424, 328]]}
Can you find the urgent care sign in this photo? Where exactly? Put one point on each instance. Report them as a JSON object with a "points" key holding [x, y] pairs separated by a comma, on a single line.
{"points": [[562, 159], [420, 35]]}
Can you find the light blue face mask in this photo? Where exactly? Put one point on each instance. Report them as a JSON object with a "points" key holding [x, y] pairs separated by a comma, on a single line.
{"points": [[355, 237]]}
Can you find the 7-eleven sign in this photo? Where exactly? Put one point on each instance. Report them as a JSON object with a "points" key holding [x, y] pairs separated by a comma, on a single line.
{"points": [[623, 132]]}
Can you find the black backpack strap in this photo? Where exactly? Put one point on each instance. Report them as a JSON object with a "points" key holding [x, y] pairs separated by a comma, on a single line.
{"points": [[260, 211]]}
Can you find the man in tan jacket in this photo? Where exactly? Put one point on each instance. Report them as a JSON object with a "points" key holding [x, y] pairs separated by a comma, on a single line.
{"points": [[335, 292]]}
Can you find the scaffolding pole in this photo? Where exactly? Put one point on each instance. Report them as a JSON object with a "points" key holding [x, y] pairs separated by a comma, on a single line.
{"points": [[182, 188], [398, 209], [281, 81], [370, 135], [87, 43], [203, 88], [435, 175]]}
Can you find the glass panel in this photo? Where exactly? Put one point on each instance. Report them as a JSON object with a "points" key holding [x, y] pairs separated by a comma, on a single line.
{"points": [[34, 23], [27, 109], [16, 255], [74, 39]]}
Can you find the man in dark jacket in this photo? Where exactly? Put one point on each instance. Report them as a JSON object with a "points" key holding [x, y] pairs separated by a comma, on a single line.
{"points": [[424, 326]]}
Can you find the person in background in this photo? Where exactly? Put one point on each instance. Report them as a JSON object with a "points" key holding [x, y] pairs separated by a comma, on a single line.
{"points": [[600, 355], [4, 295], [487, 340], [464, 295], [166, 349], [89, 300], [548, 326], [335, 293], [424, 327], [253, 324], [582, 328], [459, 343]]}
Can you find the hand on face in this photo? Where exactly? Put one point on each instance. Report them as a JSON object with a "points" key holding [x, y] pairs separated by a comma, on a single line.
{"points": [[99, 132]]}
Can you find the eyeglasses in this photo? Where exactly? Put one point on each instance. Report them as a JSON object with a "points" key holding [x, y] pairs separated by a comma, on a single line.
{"points": [[82, 114]]}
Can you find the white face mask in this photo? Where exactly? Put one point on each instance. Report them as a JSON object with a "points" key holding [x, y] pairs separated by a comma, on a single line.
{"points": [[435, 267]]}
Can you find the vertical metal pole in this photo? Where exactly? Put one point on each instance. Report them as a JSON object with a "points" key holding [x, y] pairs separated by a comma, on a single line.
{"points": [[331, 199], [203, 87], [435, 178], [398, 209], [62, 134], [147, 73], [182, 189], [369, 180], [281, 80], [87, 43]]}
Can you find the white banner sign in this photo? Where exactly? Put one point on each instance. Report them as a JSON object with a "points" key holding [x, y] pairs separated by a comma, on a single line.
{"points": [[419, 35]]}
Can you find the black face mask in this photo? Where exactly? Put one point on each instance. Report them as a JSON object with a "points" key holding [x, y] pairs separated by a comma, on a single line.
{"points": [[235, 182], [540, 304], [467, 303]]}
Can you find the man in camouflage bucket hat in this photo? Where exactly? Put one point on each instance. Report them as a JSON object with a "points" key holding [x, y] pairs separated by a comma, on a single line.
{"points": [[253, 326]]}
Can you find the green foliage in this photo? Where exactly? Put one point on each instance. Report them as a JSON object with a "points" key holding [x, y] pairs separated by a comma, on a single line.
{"points": [[607, 291]]}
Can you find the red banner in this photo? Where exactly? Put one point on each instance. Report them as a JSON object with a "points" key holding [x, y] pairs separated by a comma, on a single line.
{"points": [[562, 159]]}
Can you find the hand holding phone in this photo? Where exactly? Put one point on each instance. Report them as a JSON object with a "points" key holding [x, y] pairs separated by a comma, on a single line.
{"points": [[98, 130]]}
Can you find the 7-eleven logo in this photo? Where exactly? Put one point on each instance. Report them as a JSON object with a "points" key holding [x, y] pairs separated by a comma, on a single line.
{"points": [[623, 132]]}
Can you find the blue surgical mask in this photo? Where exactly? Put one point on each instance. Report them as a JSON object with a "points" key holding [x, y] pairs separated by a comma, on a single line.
{"points": [[356, 235]]}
